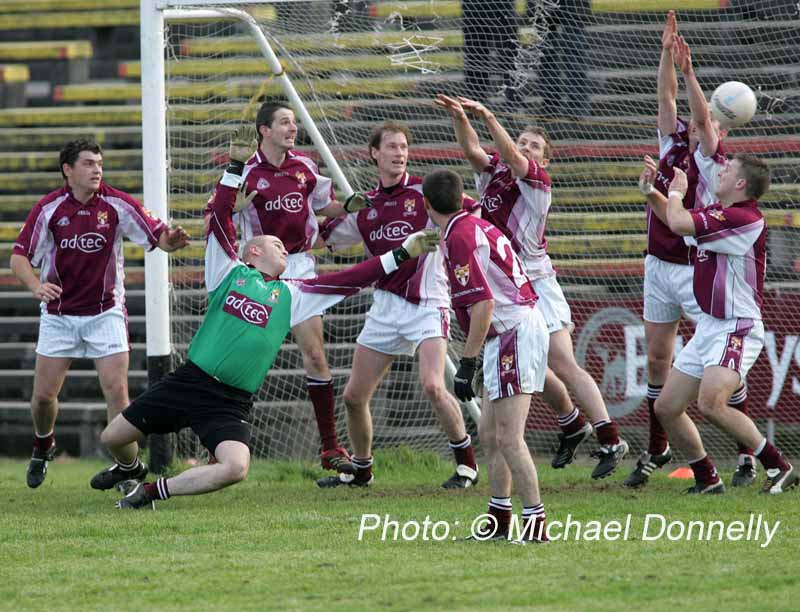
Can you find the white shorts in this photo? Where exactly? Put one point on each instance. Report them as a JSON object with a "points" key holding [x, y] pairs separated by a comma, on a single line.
{"points": [[552, 304], [731, 343], [668, 291], [92, 336], [515, 362], [300, 265], [395, 326]]}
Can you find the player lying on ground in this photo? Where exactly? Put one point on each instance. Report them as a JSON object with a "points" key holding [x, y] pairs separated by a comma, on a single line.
{"points": [[729, 272], [496, 305], [249, 313], [75, 235], [515, 197], [696, 148], [410, 313]]}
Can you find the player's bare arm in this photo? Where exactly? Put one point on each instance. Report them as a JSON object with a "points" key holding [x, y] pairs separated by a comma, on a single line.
{"points": [[667, 85], [22, 269], [701, 115], [465, 133], [678, 218], [480, 322], [655, 198], [506, 147]]}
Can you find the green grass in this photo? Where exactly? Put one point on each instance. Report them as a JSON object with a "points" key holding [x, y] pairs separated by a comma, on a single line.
{"points": [[278, 542]]}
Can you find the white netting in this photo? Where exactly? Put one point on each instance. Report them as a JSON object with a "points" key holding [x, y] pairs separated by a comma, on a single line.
{"points": [[588, 76]]}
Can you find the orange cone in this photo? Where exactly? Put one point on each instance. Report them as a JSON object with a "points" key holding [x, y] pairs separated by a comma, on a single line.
{"points": [[682, 472]]}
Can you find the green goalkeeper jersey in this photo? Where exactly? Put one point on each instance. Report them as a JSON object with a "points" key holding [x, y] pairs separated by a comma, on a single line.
{"points": [[245, 324], [248, 314]]}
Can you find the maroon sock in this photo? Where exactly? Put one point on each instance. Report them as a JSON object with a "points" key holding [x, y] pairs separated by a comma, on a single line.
{"points": [[771, 458], [463, 453], [658, 436], [44, 443], [704, 471], [157, 489], [572, 423], [321, 394], [606, 432], [363, 468], [740, 401], [500, 509]]}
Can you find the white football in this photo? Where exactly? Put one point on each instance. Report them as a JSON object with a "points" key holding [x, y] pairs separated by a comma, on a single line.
{"points": [[733, 104]]}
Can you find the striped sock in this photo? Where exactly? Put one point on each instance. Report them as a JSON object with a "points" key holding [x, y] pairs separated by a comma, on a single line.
{"points": [[533, 521], [363, 468], [157, 489], [571, 423], [606, 432], [463, 452], [658, 436]]}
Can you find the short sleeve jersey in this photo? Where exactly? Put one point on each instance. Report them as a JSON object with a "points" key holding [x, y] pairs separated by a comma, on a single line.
{"points": [[482, 265], [519, 207], [396, 212], [79, 246], [248, 313], [731, 260], [702, 174], [287, 200]]}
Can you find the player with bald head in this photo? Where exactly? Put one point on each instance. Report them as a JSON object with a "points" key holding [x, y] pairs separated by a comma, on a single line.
{"points": [[250, 311]]}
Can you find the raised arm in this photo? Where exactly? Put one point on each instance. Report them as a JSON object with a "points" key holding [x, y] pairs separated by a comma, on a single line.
{"points": [[667, 85], [506, 147], [679, 219], [465, 133], [656, 200], [701, 115]]}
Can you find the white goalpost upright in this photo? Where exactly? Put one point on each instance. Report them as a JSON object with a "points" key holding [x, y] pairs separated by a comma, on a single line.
{"points": [[156, 161]]}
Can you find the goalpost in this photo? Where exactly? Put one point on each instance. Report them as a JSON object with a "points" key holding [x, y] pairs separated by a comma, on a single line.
{"points": [[154, 16], [587, 76]]}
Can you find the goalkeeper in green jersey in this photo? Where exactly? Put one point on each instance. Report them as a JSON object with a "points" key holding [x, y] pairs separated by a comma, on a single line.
{"points": [[249, 313]]}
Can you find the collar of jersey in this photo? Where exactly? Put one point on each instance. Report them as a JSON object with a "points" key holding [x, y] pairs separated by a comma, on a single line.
{"points": [[453, 221]]}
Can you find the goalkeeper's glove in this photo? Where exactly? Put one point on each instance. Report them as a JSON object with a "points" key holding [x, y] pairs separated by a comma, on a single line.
{"points": [[462, 381], [416, 244], [356, 201], [241, 148]]}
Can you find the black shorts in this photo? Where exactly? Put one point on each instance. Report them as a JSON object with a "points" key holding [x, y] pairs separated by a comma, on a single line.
{"points": [[188, 397]]}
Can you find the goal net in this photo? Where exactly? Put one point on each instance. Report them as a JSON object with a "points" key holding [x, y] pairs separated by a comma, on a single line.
{"points": [[584, 71]]}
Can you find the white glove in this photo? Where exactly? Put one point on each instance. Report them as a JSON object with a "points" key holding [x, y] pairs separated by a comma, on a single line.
{"points": [[421, 242], [356, 201], [242, 200]]}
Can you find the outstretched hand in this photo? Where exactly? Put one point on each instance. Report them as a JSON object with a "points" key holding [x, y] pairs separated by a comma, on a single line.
{"points": [[174, 239], [679, 182], [476, 108], [425, 241], [243, 200], [648, 175], [682, 54], [242, 145], [451, 105], [356, 201], [670, 31]]}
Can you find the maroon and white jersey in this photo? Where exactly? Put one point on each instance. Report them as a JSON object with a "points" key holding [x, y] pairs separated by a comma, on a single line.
{"points": [[731, 259], [518, 207], [287, 200], [482, 265], [702, 174], [79, 246], [396, 212]]}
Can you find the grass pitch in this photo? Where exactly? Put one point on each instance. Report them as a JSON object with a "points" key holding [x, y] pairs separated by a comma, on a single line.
{"points": [[277, 542]]}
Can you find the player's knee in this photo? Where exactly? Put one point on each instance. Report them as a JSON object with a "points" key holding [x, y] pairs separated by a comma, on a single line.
{"points": [[236, 470], [353, 399], [433, 389], [710, 405]]}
